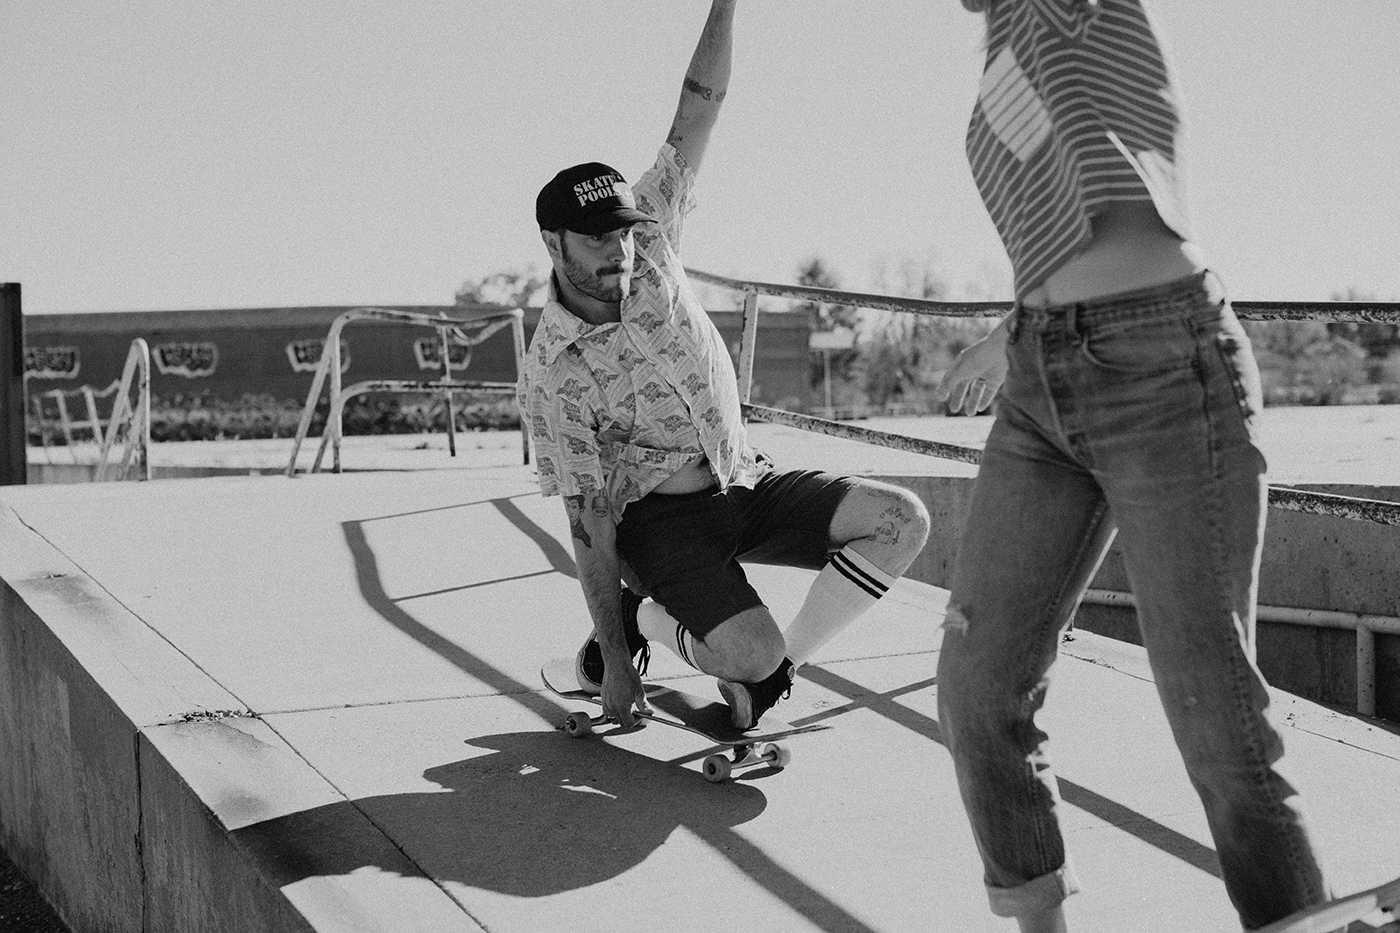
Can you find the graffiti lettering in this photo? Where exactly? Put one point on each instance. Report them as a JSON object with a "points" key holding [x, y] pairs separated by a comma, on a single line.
{"points": [[191, 360], [52, 362], [305, 355], [428, 352]]}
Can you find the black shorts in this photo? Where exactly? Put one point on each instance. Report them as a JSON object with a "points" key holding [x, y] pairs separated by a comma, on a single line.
{"points": [[686, 549]]}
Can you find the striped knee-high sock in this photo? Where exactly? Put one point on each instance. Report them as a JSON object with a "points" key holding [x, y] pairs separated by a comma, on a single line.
{"points": [[848, 585], [657, 625]]}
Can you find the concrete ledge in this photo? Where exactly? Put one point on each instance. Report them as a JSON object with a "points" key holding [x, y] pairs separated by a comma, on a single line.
{"points": [[221, 855], [69, 788], [127, 771], [79, 672]]}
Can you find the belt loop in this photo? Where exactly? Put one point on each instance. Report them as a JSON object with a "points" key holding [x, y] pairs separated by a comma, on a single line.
{"points": [[1072, 321]]}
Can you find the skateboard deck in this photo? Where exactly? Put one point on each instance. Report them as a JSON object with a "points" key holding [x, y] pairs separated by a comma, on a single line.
{"points": [[1324, 918], [681, 710]]}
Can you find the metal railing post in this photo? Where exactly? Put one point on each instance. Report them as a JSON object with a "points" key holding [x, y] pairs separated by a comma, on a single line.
{"points": [[142, 416], [335, 422], [308, 411], [64, 422], [447, 393], [135, 419], [1365, 669], [747, 345], [517, 333]]}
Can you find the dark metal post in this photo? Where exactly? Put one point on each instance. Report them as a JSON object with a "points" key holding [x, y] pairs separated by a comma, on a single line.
{"points": [[13, 462], [447, 393]]}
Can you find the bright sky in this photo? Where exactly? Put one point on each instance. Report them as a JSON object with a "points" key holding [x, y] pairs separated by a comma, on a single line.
{"points": [[161, 154]]}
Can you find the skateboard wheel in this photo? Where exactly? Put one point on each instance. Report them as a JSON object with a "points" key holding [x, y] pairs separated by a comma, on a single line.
{"points": [[716, 769], [578, 725], [779, 755]]}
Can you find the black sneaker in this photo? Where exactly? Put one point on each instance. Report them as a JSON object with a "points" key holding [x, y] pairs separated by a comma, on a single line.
{"points": [[748, 702], [589, 666]]}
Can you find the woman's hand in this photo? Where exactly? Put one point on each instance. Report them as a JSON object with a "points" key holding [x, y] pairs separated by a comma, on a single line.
{"points": [[976, 375]]}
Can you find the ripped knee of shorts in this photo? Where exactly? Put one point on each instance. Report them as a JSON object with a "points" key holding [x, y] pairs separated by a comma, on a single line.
{"points": [[955, 620]]}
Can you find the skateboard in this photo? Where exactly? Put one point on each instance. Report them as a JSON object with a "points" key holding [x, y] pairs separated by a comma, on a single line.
{"points": [[681, 710], [1324, 918]]}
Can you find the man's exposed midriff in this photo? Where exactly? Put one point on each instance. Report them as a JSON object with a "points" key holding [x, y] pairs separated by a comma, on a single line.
{"points": [[693, 477]]}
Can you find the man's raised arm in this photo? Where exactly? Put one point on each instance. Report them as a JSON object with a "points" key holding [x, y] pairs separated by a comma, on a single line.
{"points": [[706, 83]]}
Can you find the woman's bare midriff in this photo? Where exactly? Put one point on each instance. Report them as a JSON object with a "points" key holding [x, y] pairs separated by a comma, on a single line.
{"points": [[1132, 249], [692, 477]]}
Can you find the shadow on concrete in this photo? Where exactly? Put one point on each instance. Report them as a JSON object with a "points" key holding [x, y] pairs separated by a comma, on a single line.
{"points": [[1115, 814], [582, 811], [538, 814], [372, 589], [558, 556]]}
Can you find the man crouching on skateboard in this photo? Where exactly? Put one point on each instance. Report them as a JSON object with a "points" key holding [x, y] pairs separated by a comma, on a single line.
{"points": [[633, 405]]}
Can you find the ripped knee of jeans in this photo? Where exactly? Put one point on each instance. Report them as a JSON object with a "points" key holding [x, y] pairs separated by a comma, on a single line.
{"points": [[955, 620]]}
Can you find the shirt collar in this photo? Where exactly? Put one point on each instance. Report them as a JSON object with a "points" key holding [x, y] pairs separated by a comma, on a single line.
{"points": [[558, 326]]}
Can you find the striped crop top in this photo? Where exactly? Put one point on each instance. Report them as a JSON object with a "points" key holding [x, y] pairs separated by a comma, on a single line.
{"points": [[1076, 109]]}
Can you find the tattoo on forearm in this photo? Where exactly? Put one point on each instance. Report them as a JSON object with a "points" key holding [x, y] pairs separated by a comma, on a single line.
{"points": [[573, 505], [700, 90]]}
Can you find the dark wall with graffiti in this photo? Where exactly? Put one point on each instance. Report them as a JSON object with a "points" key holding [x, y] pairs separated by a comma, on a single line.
{"points": [[227, 354]]}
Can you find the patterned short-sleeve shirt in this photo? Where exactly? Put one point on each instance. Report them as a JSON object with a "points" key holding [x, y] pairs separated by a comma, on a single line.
{"points": [[620, 407], [1076, 109]]}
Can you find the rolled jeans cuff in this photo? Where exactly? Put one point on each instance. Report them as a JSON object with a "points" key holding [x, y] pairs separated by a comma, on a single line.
{"points": [[1043, 893]]}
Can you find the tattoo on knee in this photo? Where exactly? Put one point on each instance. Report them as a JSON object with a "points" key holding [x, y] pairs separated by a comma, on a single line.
{"points": [[894, 522]]}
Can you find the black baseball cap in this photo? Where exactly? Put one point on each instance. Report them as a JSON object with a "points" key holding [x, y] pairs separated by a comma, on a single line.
{"points": [[591, 198]]}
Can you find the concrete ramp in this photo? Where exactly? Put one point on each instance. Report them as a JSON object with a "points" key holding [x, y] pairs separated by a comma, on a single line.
{"points": [[264, 704]]}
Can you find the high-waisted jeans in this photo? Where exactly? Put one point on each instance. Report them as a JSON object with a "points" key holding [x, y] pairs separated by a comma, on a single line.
{"points": [[1136, 413]]}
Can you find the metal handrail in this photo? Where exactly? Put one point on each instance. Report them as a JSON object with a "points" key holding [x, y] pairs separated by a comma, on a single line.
{"points": [[1280, 497], [133, 422], [66, 423], [1342, 312], [482, 327], [1284, 498], [1366, 626]]}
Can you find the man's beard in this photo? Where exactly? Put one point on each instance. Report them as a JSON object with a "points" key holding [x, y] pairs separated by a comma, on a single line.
{"points": [[589, 282]]}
